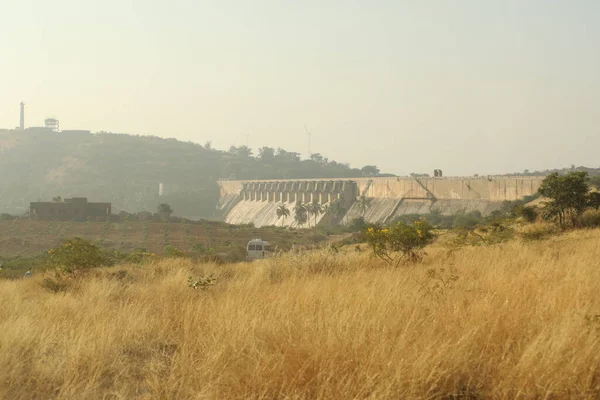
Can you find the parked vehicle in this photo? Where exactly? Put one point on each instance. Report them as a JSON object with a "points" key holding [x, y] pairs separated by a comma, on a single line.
{"points": [[258, 249]]}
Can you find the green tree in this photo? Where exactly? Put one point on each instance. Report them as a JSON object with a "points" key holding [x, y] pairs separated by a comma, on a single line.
{"points": [[364, 203], [266, 154], [369, 170], [594, 200], [315, 209], [241, 151], [318, 158], [300, 214], [337, 209], [165, 210], [57, 199], [595, 181], [568, 197], [283, 212]]}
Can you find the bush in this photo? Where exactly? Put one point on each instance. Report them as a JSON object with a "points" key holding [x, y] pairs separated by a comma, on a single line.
{"points": [[172, 251], [499, 233], [76, 254], [529, 214], [590, 219], [141, 256], [56, 283], [538, 232], [358, 224], [401, 242], [470, 220]]}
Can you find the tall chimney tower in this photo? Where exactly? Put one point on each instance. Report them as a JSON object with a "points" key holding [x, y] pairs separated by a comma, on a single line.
{"points": [[22, 116]]}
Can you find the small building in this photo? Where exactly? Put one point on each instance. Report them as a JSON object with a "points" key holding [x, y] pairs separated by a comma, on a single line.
{"points": [[76, 208]]}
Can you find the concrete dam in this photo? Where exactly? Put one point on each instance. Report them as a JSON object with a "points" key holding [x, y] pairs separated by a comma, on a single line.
{"points": [[245, 202]]}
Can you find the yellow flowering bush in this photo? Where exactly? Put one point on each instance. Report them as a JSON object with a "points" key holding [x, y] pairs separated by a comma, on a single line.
{"points": [[401, 242], [141, 256], [76, 254]]}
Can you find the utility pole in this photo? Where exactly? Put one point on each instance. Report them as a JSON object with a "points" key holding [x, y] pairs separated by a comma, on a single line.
{"points": [[22, 116]]}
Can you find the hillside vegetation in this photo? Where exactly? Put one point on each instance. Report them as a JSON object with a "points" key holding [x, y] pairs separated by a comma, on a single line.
{"points": [[518, 320], [126, 170], [24, 243]]}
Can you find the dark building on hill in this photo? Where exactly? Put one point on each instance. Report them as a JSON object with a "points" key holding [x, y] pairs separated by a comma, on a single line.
{"points": [[77, 209]]}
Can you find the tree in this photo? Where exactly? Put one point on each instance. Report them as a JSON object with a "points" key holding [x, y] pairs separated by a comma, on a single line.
{"points": [[241, 151], [369, 170], [364, 203], [337, 209], [165, 210], [300, 214], [315, 210], [568, 196], [283, 212], [57, 199], [208, 145], [266, 154], [595, 181], [287, 156], [318, 158], [594, 200]]}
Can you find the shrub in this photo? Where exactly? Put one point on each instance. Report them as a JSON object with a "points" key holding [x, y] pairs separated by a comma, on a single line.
{"points": [[401, 242], [172, 251], [56, 283], [141, 256], [201, 283], [538, 232], [528, 213], [358, 224], [470, 220], [499, 233], [76, 254], [590, 219]]}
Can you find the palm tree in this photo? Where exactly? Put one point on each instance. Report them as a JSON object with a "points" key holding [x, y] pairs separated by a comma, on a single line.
{"points": [[364, 203], [315, 210], [300, 214], [283, 212], [337, 209]]}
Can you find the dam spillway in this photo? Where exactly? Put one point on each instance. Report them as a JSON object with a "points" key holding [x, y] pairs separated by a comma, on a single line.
{"points": [[245, 202]]}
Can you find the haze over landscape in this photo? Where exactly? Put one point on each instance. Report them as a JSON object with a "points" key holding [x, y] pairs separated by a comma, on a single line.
{"points": [[484, 87], [300, 200]]}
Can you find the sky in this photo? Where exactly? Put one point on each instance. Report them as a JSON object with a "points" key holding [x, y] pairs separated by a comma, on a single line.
{"points": [[469, 87]]}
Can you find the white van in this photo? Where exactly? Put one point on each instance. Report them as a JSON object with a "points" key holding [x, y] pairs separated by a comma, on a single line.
{"points": [[257, 249]]}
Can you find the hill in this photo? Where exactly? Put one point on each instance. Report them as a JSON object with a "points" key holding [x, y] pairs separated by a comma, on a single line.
{"points": [[126, 170]]}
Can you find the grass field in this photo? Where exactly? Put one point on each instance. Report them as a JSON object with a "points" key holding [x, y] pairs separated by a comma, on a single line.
{"points": [[518, 320]]}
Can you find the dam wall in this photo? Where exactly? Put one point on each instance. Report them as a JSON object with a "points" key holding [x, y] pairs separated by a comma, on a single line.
{"points": [[256, 202]]}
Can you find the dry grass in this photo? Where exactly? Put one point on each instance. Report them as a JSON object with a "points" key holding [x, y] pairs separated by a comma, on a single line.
{"points": [[518, 323], [29, 237]]}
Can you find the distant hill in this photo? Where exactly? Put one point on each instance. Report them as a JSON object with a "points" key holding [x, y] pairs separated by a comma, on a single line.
{"points": [[126, 170], [591, 171]]}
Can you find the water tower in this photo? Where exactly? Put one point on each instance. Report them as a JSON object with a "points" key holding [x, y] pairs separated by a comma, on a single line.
{"points": [[52, 124]]}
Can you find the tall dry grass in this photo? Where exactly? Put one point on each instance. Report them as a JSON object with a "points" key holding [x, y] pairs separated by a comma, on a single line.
{"points": [[521, 321]]}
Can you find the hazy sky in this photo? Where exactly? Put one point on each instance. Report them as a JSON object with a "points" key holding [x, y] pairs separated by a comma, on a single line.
{"points": [[471, 86]]}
